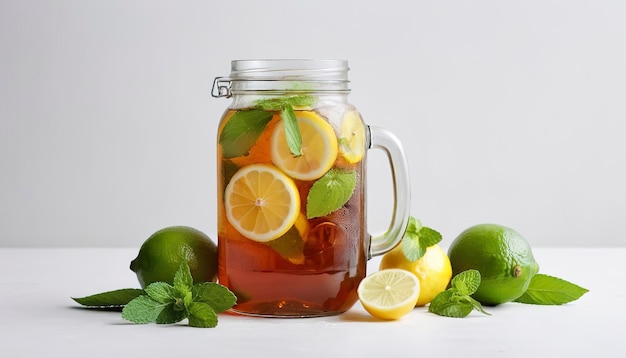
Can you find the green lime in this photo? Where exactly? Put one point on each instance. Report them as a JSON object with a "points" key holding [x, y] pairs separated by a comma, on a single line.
{"points": [[501, 255], [161, 254]]}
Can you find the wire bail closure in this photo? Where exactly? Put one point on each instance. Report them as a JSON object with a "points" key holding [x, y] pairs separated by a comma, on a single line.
{"points": [[221, 87]]}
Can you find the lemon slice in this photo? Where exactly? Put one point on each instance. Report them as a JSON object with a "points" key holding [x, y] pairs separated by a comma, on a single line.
{"points": [[261, 202], [319, 147], [389, 294], [352, 139]]}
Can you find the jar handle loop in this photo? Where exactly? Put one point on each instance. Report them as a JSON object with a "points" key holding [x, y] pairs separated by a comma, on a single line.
{"points": [[381, 138]]}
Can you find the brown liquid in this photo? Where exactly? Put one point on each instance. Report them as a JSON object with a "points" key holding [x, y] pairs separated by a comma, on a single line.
{"points": [[320, 278]]}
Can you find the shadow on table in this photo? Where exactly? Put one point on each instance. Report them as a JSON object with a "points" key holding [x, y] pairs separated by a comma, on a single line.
{"points": [[355, 316]]}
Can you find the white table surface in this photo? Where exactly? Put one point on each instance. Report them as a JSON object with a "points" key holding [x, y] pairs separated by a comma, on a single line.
{"points": [[39, 318]]}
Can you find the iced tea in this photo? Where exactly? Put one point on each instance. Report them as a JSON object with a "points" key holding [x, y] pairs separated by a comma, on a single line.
{"points": [[303, 262]]}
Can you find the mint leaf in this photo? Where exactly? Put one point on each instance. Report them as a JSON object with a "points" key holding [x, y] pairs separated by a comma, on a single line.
{"points": [[215, 295], [290, 246], [467, 302], [186, 300], [444, 304], [160, 291], [171, 315], [271, 104], [229, 168], [242, 131], [477, 306], [428, 236], [277, 104], [110, 299], [330, 192], [451, 304], [292, 130], [142, 309], [410, 243], [182, 278], [414, 226], [441, 300], [202, 315], [549, 290], [466, 282], [456, 301], [417, 239], [303, 100]]}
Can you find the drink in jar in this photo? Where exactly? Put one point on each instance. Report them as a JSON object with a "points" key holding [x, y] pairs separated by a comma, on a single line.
{"points": [[291, 233]]}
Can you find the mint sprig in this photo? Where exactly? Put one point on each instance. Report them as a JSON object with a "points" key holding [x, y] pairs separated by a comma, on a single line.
{"points": [[456, 301], [548, 290], [163, 303], [244, 128], [417, 239]]}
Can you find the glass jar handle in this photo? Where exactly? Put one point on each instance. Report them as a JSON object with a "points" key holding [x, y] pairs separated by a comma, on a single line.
{"points": [[383, 139]]}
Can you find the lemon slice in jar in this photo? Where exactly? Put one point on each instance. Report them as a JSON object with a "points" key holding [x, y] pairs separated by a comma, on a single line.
{"points": [[319, 147], [352, 138], [261, 202]]}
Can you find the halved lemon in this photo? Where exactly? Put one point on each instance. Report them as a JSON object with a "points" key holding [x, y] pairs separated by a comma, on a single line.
{"points": [[389, 294], [433, 270], [261, 202], [319, 147], [352, 138]]}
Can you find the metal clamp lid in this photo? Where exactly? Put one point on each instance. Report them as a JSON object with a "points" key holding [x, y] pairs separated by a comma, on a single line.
{"points": [[283, 75]]}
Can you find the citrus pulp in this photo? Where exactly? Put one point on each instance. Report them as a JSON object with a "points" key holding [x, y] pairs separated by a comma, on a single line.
{"points": [[261, 202], [389, 294]]}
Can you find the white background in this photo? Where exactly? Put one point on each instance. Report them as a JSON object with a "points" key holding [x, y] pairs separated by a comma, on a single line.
{"points": [[511, 112]]}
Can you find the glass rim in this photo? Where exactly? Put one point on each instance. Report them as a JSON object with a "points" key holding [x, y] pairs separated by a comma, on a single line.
{"points": [[289, 70]]}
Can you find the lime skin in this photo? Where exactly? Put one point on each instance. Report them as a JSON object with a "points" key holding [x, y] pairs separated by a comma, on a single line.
{"points": [[162, 253], [501, 255]]}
